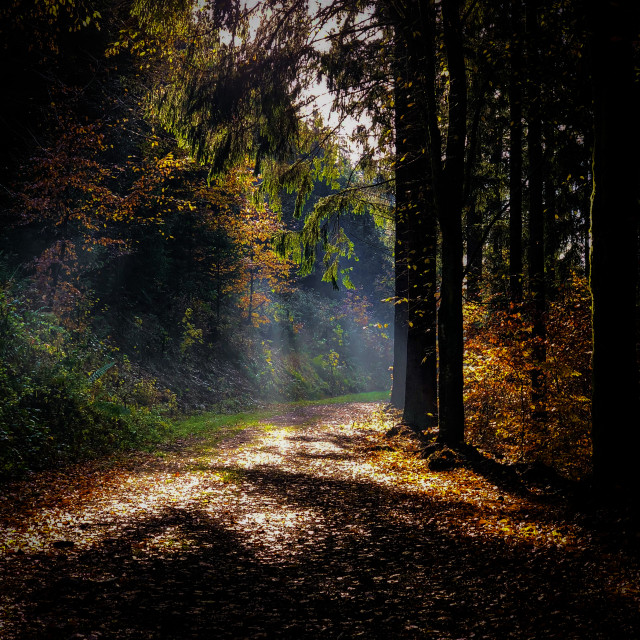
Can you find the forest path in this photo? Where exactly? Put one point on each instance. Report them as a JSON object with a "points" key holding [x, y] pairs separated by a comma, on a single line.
{"points": [[311, 526]]}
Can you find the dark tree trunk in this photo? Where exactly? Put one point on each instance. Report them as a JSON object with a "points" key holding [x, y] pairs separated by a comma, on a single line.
{"points": [[401, 309], [421, 393], [515, 156], [536, 214], [400, 312], [448, 179], [614, 251], [447, 185], [450, 331], [417, 229]]}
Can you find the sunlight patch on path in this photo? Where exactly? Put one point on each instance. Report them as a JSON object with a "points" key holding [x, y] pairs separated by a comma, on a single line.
{"points": [[344, 445], [314, 513], [274, 528]]}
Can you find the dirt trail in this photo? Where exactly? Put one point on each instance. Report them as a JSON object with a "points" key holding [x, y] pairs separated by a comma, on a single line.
{"points": [[313, 526]]}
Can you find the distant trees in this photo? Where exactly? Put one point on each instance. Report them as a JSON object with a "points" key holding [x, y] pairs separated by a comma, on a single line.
{"points": [[134, 279]]}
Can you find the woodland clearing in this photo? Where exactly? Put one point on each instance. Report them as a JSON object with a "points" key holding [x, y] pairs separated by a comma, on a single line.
{"points": [[313, 524]]}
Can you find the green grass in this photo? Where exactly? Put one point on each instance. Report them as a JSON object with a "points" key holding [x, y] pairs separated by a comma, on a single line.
{"points": [[205, 423], [218, 426], [368, 396]]}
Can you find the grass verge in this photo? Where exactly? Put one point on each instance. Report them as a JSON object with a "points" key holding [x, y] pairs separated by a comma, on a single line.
{"points": [[227, 424]]}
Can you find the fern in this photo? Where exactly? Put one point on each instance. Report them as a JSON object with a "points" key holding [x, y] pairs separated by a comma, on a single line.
{"points": [[96, 375]]}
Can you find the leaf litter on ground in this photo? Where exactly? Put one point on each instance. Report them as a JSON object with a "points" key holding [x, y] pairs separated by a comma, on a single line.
{"points": [[312, 524]]}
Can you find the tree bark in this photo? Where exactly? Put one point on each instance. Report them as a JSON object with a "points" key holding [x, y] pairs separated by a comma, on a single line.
{"points": [[614, 251], [416, 219], [421, 392], [449, 190], [536, 214], [400, 311], [401, 276], [515, 156]]}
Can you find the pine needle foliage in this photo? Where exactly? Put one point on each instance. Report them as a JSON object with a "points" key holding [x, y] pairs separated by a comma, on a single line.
{"points": [[228, 90], [232, 89]]}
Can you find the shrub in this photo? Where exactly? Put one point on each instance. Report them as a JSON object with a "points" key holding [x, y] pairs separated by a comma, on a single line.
{"points": [[499, 361], [56, 405]]}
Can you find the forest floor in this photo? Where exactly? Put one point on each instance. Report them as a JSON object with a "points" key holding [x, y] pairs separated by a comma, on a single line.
{"points": [[313, 525]]}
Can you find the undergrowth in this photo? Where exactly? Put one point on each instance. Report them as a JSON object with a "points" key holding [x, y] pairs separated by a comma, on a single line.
{"points": [[504, 415], [65, 397]]}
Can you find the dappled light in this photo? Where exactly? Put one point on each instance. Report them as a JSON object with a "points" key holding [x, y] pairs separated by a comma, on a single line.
{"points": [[319, 319], [314, 522]]}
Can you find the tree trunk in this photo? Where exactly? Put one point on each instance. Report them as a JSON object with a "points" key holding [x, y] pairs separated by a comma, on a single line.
{"points": [[418, 24], [449, 191], [515, 156], [415, 217], [421, 393], [401, 309], [536, 215], [450, 331], [400, 312], [614, 251]]}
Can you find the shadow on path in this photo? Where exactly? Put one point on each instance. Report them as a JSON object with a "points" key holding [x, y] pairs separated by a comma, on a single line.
{"points": [[364, 559]]}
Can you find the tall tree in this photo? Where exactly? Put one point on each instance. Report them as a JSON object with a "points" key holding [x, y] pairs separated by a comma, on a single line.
{"points": [[401, 251], [447, 171], [424, 25], [614, 252], [415, 209], [400, 312], [515, 155], [536, 259]]}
